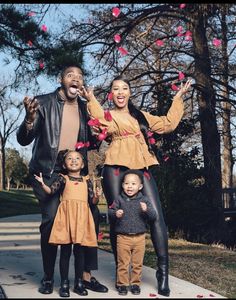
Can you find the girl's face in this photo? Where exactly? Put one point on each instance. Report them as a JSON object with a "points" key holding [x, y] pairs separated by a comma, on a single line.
{"points": [[74, 161], [121, 94]]}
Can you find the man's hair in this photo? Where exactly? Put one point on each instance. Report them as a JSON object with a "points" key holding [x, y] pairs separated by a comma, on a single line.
{"points": [[135, 172], [62, 73]]}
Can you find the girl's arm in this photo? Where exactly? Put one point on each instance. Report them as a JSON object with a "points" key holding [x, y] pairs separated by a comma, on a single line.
{"points": [[46, 188]]}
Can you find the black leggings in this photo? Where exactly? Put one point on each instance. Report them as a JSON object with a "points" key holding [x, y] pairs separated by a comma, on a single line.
{"points": [[111, 184], [79, 255]]}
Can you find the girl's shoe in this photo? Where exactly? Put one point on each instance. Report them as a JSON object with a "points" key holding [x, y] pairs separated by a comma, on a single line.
{"points": [[64, 290]]}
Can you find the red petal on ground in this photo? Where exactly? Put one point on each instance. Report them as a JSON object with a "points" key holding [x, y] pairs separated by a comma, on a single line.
{"points": [[152, 295]]}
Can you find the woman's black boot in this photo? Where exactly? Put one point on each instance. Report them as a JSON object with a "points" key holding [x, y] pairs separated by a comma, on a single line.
{"points": [[79, 287], [65, 288], [162, 277]]}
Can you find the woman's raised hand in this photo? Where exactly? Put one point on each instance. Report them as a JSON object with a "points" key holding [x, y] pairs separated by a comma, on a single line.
{"points": [[184, 88], [86, 93]]}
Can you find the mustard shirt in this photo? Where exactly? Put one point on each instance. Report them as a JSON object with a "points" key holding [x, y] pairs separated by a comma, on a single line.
{"points": [[128, 147]]}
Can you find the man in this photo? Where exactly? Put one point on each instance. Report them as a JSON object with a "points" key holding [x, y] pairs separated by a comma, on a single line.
{"points": [[55, 122]]}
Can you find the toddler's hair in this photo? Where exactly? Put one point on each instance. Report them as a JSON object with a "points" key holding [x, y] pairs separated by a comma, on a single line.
{"points": [[133, 171]]}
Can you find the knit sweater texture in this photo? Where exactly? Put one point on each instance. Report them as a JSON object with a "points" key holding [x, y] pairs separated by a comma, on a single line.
{"points": [[134, 220]]}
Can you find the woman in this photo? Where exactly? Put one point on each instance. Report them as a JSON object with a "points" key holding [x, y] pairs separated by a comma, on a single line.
{"points": [[130, 148]]}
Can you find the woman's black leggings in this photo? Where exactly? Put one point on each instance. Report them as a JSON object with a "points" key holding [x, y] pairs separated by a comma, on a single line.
{"points": [[111, 184]]}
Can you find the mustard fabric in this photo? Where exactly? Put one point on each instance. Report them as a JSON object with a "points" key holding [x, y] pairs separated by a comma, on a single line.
{"points": [[128, 147], [74, 221]]}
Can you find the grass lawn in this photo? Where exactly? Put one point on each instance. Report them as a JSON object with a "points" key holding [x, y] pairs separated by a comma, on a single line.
{"points": [[209, 266]]}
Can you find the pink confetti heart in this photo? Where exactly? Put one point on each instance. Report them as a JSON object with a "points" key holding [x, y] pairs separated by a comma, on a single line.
{"points": [[87, 144], [112, 205], [159, 43], [122, 51], [30, 43], [79, 145], [181, 6], [147, 175], [115, 11], [41, 65], [180, 29], [31, 13], [117, 171], [174, 87], [94, 122], [100, 236], [149, 133], [152, 141], [216, 42], [117, 38], [107, 115], [44, 28], [181, 76], [166, 158], [110, 96], [102, 136]]}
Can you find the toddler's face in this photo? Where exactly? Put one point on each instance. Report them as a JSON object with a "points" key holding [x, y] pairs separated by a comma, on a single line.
{"points": [[132, 185]]}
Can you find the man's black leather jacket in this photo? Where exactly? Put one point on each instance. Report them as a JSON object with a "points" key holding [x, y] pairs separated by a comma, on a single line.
{"points": [[46, 133]]}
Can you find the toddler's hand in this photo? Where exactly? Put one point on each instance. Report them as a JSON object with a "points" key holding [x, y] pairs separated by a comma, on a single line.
{"points": [[143, 206], [119, 213]]}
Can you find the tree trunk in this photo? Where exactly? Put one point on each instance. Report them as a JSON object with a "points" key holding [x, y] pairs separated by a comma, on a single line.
{"points": [[2, 165], [227, 170], [209, 131]]}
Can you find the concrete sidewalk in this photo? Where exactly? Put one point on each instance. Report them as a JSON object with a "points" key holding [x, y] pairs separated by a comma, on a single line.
{"points": [[21, 268]]}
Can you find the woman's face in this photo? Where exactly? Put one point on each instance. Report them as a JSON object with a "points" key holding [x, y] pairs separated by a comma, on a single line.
{"points": [[121, 94]]}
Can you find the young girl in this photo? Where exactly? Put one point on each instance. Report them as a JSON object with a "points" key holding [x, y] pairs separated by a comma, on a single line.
{"points": [[74, 222], [130, 148]]}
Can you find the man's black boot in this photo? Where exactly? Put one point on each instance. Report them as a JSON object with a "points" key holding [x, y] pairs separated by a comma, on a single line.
{"points": [[46, 286], [64, 290]]}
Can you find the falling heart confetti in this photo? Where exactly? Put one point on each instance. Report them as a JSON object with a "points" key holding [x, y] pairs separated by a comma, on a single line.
{"points": [[117, 38], [122, 51], [115, 11]]}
